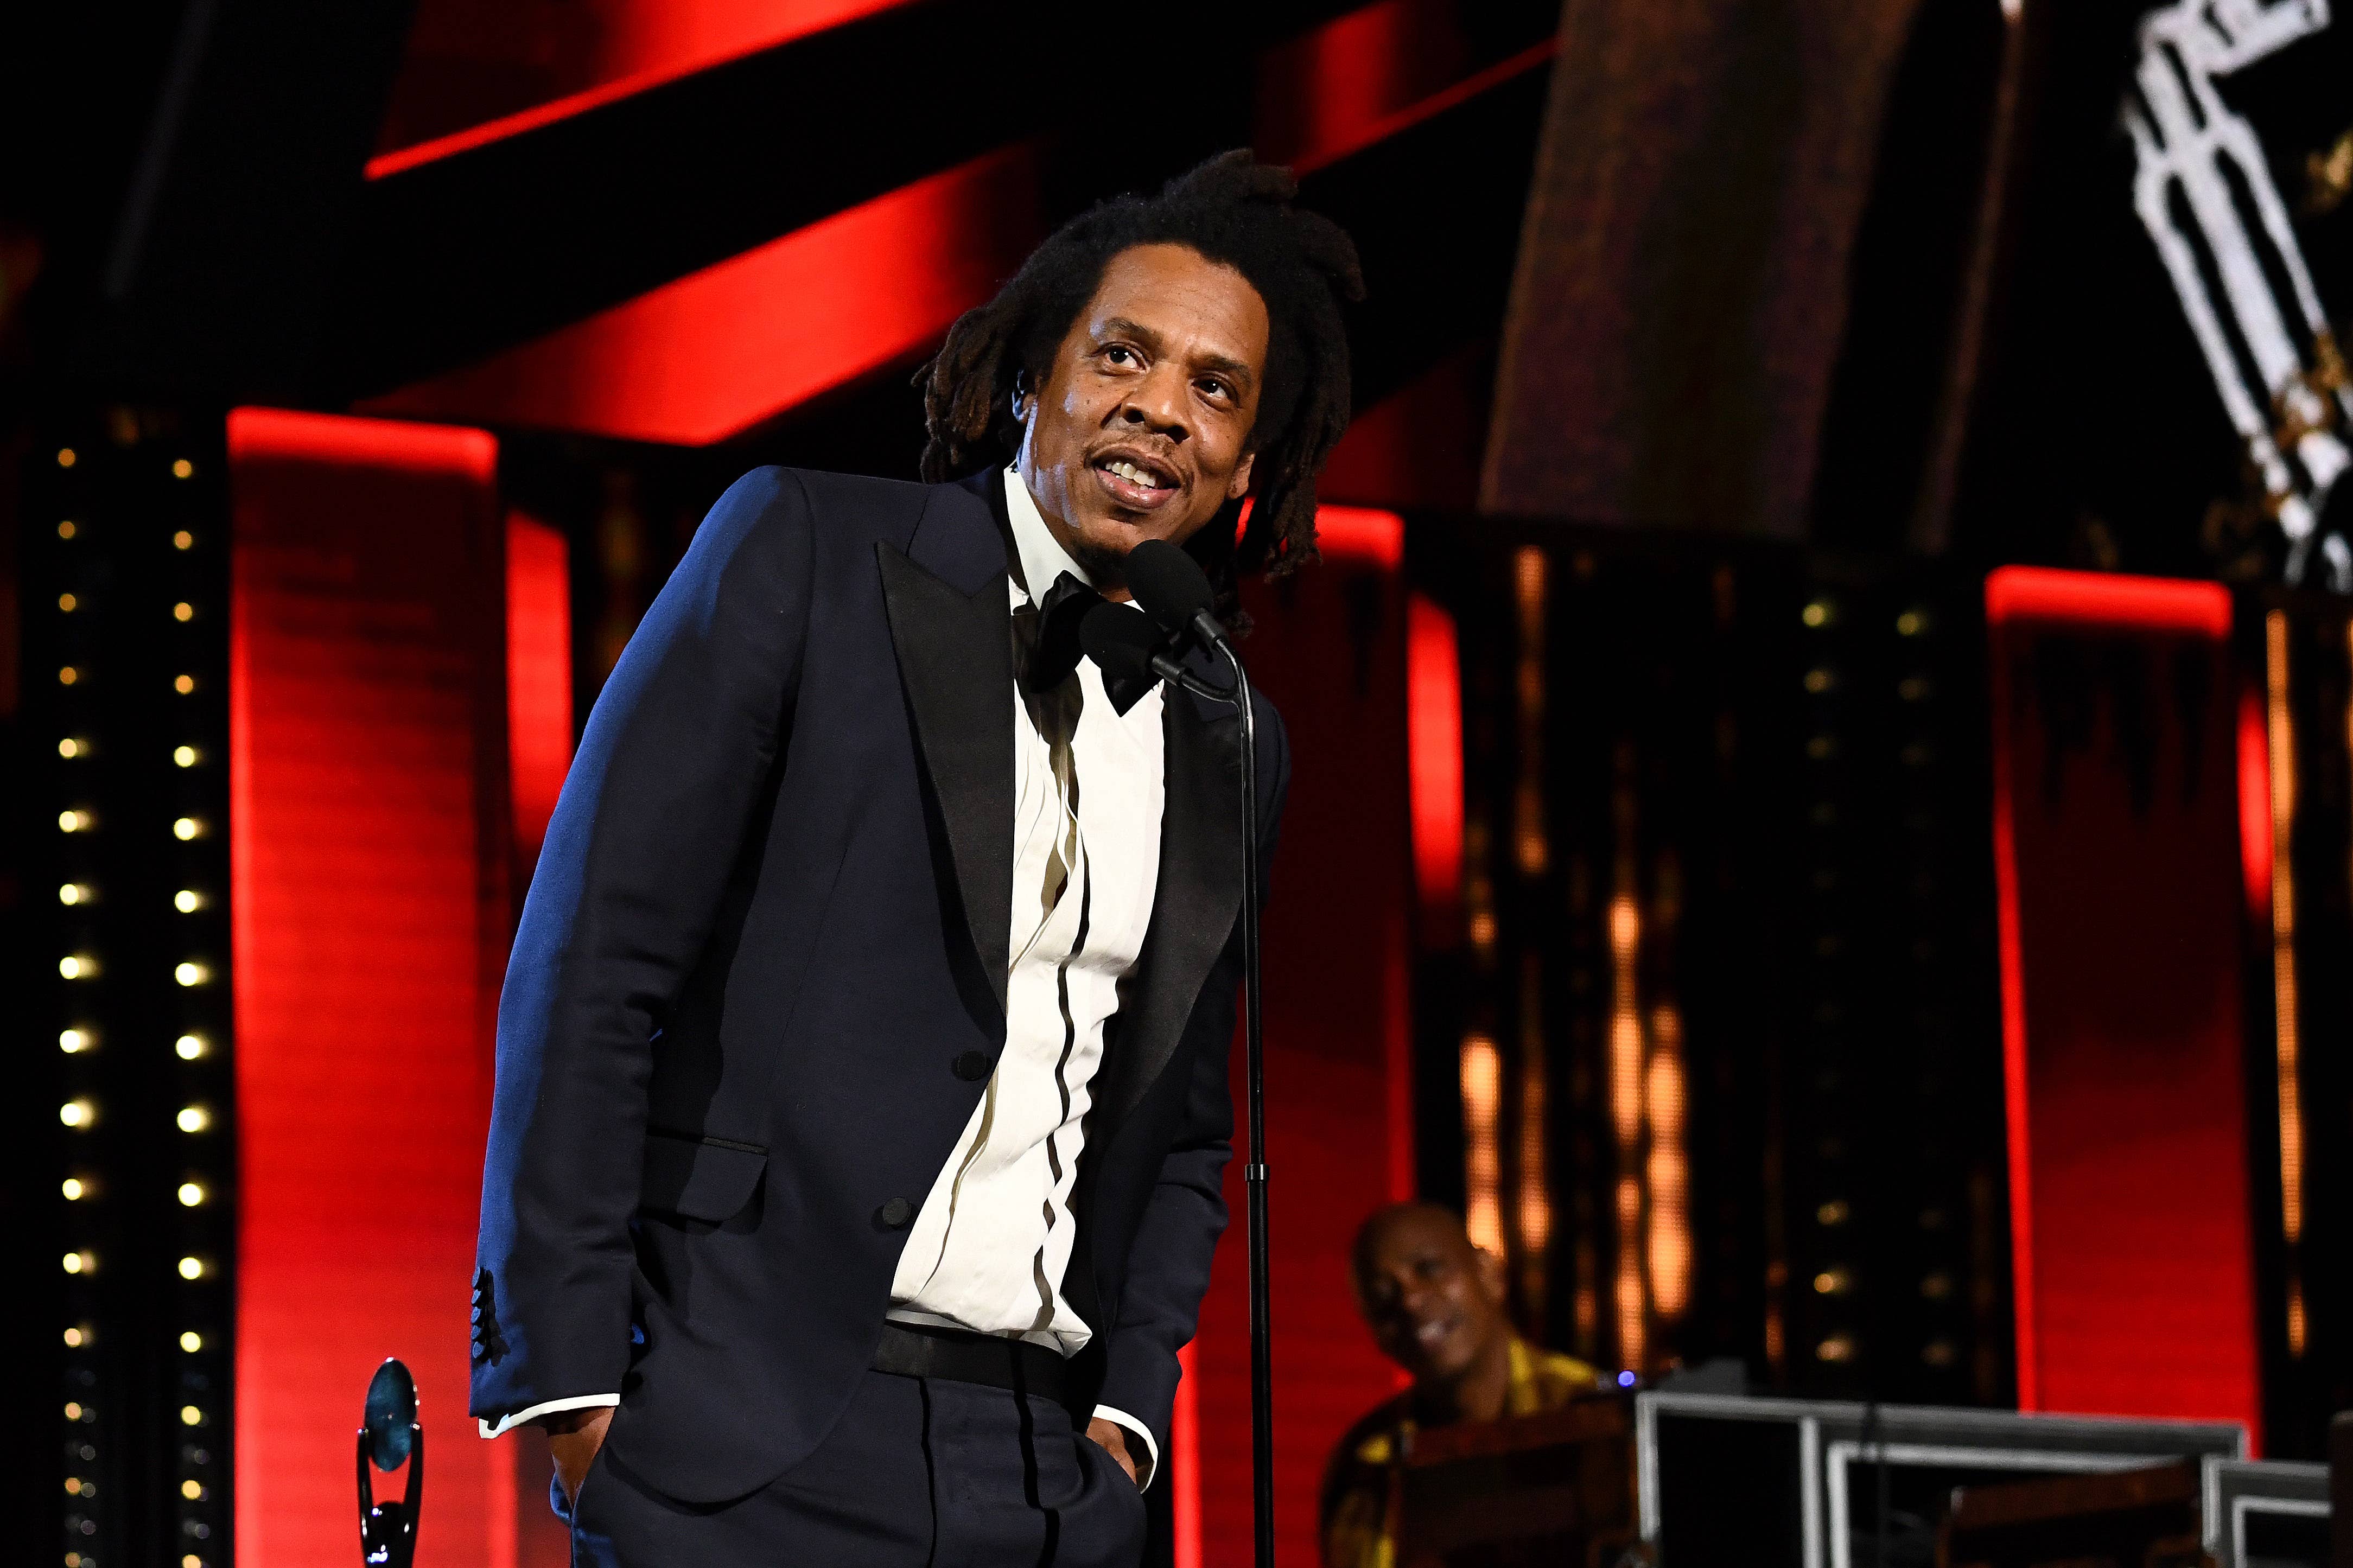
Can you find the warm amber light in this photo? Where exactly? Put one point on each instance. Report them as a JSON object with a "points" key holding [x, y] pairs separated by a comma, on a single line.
{"points": [[74, 893], [73, 1042], [76, 1338], [191, 1416], [191, 973], [1837, 1348], [194, 1119], [1816, 613], [184, 611], [67, 675], [65, 457], [80, 1263], [183, 540], [68, 603], [184, 756], [67, 529], [183, 684], [74, 821], [187, 901], [73, 1411], [1482, 1155], [192, 1341], [190, 1046], [1911, 623], [73, 1189], [192, 1194], [192, 1490], [73, 746], [78, 1113], [1832, 1213], [78, 966], [187, 828], [181, 468], [192, 1268]]}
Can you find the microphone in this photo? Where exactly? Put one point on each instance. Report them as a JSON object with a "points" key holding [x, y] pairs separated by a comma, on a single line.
{"points": [[1124, 643], [1175, 591]]}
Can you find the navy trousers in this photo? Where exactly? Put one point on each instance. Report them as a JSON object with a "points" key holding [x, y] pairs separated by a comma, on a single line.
{"points": [[920, 1473]]}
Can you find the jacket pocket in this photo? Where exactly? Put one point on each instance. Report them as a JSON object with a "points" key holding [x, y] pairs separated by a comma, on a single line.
{"points": [[699, 1178]]}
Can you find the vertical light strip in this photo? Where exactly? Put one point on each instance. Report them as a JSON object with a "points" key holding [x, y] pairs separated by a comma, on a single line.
{"points": [[1482, 1157], [1535, 1187], [2280, 734], [1626, 1071], [1667, 1173], [1529, 844], [1532, 852]]}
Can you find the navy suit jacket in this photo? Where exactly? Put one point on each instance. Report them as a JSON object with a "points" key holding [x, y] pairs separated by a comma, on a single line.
{"points": [[770, 916]]}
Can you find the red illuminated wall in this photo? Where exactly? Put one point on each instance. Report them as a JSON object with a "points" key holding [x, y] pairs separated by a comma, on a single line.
{"points": [[733, 345], [369, 852], [539, 680], [1330, 650], [2117, 855], [473, 72]]}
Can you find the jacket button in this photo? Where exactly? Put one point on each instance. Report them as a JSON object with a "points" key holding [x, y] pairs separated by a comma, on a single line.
{"points": [[972, 1067], [896, 1214]]}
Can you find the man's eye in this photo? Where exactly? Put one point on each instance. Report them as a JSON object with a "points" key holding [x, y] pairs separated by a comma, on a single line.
{"points": [[1215, 388], [1118, 354]]}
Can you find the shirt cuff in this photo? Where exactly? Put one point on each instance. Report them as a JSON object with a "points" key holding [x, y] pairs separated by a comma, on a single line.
{"points": [[577, 1402], [1151, 1464]]}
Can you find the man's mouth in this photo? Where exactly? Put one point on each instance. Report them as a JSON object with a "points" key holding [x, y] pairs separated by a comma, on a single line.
{"points": [[1133, 481], [1428, 1335]]}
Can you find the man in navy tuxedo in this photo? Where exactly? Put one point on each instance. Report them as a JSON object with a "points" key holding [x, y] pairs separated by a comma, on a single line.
{"points": [[861, 1107]]}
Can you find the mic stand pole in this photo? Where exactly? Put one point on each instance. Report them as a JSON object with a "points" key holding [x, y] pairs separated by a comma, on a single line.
{"points": [[1254, 1173]]}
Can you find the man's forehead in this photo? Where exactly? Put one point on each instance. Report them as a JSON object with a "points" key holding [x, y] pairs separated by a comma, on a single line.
{"points": [[1173, 288], [1405, 1235]]}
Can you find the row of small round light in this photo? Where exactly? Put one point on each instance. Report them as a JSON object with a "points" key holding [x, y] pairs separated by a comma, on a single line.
{"points": [[1821, 679], [80, 1112], [195, 976]]}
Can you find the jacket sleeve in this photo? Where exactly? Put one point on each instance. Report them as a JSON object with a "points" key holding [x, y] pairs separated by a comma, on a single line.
{"points": [[1185, 1214], [652, 819]]}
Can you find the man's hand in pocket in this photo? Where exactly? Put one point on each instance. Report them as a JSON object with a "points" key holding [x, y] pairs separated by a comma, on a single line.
{"points": [[573, 1438]]}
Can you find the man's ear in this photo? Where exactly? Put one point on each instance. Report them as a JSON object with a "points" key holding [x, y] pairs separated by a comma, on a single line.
{"points": [[1239, 486]]}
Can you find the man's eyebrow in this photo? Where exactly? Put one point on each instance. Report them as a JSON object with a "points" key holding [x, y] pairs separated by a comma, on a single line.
{"points": [[1121, 327]]}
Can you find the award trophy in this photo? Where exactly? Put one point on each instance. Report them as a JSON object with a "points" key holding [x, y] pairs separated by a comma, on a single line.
{"points": [[390, 1436]]}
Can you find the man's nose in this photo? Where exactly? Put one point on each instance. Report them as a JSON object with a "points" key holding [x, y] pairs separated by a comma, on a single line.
{"points": [[1156, 404]]}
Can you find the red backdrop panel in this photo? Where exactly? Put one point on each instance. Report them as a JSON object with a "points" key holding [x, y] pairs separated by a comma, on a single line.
{"points": [[369, 856], [1330, 650], [739, 342], [539, 679], [2117, 856]]}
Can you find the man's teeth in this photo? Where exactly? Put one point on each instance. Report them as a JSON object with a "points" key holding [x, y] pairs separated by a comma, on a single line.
{"points": [[1431, 1333], [1132, 474]]}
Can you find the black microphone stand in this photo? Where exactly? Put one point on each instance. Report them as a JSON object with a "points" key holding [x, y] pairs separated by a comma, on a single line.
{"points": [[1171, 586], [1254, 1173]]}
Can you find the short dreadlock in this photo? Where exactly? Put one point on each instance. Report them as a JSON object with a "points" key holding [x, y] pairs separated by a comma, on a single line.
{"points": [[1232, 210]]}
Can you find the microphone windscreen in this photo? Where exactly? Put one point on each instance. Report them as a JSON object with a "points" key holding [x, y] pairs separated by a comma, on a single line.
{"points": [[1120, 638], [1170, 584]]}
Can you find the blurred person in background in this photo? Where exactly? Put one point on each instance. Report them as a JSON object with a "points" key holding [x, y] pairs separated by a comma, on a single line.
{"points": [[1435, 1304]]}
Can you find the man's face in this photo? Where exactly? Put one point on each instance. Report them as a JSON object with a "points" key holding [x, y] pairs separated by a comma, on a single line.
{"points": [[1139, 429], [1433, 1301]]}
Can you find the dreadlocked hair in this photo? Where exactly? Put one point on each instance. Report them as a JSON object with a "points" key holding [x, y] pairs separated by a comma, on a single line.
{"points": [[1232, 210]]}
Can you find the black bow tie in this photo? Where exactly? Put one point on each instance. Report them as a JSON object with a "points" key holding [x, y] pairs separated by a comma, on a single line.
{"points": [[1053, 653]]}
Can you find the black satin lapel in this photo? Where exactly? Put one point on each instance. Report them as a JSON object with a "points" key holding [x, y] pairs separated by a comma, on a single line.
{"points": [[1194, 912], [956, 659]]}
